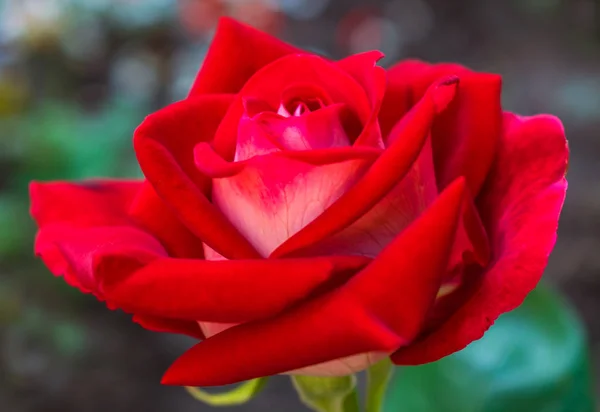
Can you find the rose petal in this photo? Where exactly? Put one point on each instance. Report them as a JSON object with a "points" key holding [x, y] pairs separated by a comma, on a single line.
{"points": [[382, 223], [72, 237], [84, 204], [155, 324], [149, 211], [380, 309], [164, 146], [253, 141], [70, 251], [236, 53], [269, 83], [231, 291], [321, 129], [273, 197], [319, 331], [373, 78], [213, 165], [465, 136], [390, 168], [520, 206], [407, 82]]}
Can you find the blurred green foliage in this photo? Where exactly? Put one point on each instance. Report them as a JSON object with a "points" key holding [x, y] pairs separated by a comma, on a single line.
{"points": [[60, 141], [532, 359]]}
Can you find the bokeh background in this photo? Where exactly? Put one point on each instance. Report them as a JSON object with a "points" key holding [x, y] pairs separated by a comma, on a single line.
{"points": [[77, 76]]}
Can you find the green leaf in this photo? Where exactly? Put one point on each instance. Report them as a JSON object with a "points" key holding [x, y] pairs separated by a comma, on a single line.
{"points": [[378, 377], [328, 394], [237, 396], [533, 359]]}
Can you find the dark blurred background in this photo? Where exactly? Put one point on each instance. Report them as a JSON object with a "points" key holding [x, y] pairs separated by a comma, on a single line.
{"points": [[77, 76]]}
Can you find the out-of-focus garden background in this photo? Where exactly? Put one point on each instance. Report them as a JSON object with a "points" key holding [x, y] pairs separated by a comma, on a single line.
{"points": [[77, 76]]}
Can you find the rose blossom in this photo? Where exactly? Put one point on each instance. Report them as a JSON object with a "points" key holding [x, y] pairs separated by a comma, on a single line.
{"points": [[312, 216]]}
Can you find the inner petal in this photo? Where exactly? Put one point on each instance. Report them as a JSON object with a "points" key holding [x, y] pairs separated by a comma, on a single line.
{"points": [[378, 227], [274, 197], [314, 130], [300, 99]]}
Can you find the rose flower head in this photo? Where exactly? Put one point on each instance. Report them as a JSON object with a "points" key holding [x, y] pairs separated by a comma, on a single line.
{"points": [[309, 216]]}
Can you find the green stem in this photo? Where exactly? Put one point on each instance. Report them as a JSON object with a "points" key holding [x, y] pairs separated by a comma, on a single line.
{"points": [[378, 377]]}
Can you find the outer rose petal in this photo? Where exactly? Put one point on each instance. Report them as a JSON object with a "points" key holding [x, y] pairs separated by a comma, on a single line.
{"points": [[164, 146], [380, 309], [465, 136], [236, 53], [84, 204], [520, 206], [71, 252], [231, 291], [59, 208], [77, 221]]}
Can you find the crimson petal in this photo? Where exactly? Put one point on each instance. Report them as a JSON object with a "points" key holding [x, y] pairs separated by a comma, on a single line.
{"points": [[385, 172], [369, 314], [232, 291], [269, 82], [236, 53], [164, 146], [156, 324], [149, 211], [465, 136], [373, 78], [98, 202], [520, 206], [70, 251]]}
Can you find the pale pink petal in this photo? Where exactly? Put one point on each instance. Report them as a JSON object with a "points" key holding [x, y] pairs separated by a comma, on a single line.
{"points": [[273, 197], [377, 228], [252, 140]]}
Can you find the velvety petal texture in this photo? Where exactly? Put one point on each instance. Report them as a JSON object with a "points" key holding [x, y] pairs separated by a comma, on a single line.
{"points": [[307, 216], [356, 318], [466, 136], [164, 146], [520, 205]]}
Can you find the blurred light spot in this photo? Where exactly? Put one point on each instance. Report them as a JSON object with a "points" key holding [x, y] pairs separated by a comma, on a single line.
{"points": [[580, 98], [304, 9], [261, 14], [413, 19], [34, 20], [141, 13], [86, 40], [14, 93], [185, 67], [93, 5], [376, 33], [365, 29], [199, 17], [135, 74]]}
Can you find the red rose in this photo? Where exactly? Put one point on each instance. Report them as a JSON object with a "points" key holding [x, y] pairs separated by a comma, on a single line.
{"points": [[305, 214]]}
